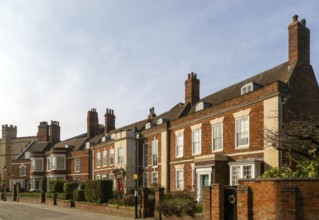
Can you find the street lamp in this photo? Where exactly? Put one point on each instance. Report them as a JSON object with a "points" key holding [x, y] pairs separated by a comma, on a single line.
{"points": [[4, 179], [136, 135]]}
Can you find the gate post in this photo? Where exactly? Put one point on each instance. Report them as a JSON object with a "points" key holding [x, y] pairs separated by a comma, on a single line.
{"points": [[144, 203], [159, 197], [217, 201], [207, 203], [243, 202]]}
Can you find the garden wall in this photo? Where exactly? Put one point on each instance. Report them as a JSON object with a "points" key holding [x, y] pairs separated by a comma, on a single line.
{"points": [[278, 198]]}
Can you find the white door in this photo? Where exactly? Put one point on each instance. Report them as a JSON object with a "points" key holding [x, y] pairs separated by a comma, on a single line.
{"points": [[203, 179]]}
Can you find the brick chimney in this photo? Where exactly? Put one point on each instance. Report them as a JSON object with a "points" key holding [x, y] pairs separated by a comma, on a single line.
{"points": [[92, 123], [43, 131], [109, 120], [191, 89], [54, 132], [299, 41], [152, 114]]}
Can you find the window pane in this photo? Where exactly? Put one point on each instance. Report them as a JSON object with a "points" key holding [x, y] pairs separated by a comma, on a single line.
{"points": [[179, 145], [154, 153], [217, 137], [235, 175], [247, 172], [196, 141], [242, 131], [145, 155]]}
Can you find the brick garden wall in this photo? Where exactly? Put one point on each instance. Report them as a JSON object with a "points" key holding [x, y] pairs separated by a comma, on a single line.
{"points": [[267, 199]]}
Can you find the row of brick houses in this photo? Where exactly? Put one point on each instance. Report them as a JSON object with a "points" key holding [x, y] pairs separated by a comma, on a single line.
{"points": [[219, 138]]}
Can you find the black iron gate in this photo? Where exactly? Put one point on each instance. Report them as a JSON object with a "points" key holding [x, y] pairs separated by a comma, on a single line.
{"points": [[230, 203]]}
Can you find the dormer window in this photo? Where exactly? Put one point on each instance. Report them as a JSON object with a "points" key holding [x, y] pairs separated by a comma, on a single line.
{"points": [[199, 106], [247, 88], [149, 125], [159, 121], [113, 136], [202, 105]]}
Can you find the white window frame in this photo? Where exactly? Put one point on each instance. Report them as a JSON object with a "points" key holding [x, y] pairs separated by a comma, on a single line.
{"points": [[49, 164], [98, 177], [179, 143], [217, 137], [155, 177], [36, 164], [240, 166], [35, 182], [197, 141], [120, 155], [179, 182], [247, 88], [154, 153], [77, 165], [111, 159], [104, 158], [244, 134], [23, 170], [145, 154], [98, 159]]}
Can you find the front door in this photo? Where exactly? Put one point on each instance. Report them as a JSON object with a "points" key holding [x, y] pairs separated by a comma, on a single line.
{"points": [[203, 179]]}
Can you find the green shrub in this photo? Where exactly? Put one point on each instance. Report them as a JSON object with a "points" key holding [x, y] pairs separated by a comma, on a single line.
{"points": [[43, 184], [49, 194], [129, 200], [276, 172], [78, 195], [56, 186], [63, 196], [30, 194], [98, 191], [69, 187], [198, 208], [177, 206]]}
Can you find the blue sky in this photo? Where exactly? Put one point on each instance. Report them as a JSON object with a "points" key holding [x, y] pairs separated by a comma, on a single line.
{"points": [[60, 58]]}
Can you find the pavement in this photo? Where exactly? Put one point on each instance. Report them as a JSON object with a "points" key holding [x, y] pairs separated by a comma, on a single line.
{"points": [[25, 211]]}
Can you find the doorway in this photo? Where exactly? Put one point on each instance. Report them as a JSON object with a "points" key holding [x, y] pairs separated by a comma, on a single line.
{"points": [[203, 176]]}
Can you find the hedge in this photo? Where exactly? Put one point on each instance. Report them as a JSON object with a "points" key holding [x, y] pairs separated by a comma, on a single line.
{"points": [[98, 191], [78, 195], [56, 186]]}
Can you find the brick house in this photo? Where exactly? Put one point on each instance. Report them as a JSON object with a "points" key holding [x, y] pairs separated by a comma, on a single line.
{"points": [[57, 160], [221, 138]]}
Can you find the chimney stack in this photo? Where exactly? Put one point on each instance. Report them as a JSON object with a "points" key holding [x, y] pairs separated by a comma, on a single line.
{"points": [[299, 42], [43, 131], [54, 132], [192, 89], [152, 114], [109, 120], [92, 123]]}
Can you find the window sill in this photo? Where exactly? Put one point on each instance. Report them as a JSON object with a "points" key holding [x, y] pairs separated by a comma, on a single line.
{"points": [[217, 151], [243, 147], [196, 154]]}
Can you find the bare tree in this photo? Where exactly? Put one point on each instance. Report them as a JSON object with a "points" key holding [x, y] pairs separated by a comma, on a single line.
{"points": [[297, 138]]}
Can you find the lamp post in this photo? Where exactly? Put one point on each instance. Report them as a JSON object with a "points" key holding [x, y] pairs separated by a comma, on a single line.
{"points": [[4, 179], [136, 135]]}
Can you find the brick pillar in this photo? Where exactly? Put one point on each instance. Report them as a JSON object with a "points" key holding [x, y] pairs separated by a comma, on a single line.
{"points": [[243, 202], [207, 203], [144, 203], [159, 197], [217, 201], [14, 196], [18, 191], [288, 203]]}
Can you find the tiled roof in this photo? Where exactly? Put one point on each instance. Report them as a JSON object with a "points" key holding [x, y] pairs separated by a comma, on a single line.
{"points": [[278, 73], [77, 143]]}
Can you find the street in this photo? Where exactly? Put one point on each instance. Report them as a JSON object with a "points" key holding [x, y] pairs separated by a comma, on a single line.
{"points": [[24, 211]]}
